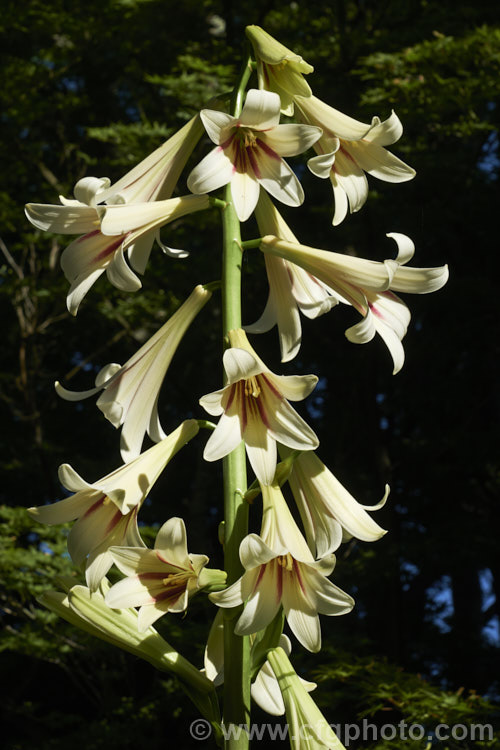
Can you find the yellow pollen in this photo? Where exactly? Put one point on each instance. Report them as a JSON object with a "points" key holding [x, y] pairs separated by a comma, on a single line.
{"points": [[252, 387], [250, 139], [174, 579], [247, 137], [106, 501], [286, 561]]}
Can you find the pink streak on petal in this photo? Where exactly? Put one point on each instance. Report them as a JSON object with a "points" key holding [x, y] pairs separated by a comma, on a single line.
{"points": [[268, 150], [298, 575], [253, 162], [375, 311], [259, 577], [243, 410], [110, 248], [151, 576], [117, 517], [95, 506], [86, 236], [279, 590], [262, 411], [270, 385], [167, 562]]}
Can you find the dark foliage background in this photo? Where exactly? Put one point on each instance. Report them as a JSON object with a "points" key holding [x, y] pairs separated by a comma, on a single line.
{"points": [[90, 88]]}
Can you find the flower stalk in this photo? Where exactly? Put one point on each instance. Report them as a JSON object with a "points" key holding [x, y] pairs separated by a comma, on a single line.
{"points": [[236, 648]]}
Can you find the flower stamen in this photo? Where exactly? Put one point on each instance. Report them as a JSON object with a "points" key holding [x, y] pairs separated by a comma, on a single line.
{"points": [[285, 561], [252, 387], [175, 579]]}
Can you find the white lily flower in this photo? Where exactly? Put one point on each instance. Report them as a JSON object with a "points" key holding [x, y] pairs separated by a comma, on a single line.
{"points": [[88, 611], [254, 408], [160, 580], [156, 176], [368, 286], [278, 68], [308, 728], [107, 233], [290, 287], [106, 511], [328, 511], [131, 391], [265, 690], [248, 153], [280, 570], [349, 148]]}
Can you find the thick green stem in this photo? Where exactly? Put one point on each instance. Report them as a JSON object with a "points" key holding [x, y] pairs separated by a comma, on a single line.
{"points": [[236, 648]]}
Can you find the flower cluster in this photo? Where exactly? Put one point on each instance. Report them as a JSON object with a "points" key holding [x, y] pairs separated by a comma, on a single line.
{"points": [[279, 577]]}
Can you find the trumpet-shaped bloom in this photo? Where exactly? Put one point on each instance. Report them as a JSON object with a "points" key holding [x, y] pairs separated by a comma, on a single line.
{"points": [[88, 611], [349, 148], [368, 286], [290, 287], [248, 153], [265, 689], [280, 570], [106, 511], [130, 392], [307, 727], [107, 233], [278, 68], [153, 179], [328, 511], [254, 408], [156, 176], [160, 580]]}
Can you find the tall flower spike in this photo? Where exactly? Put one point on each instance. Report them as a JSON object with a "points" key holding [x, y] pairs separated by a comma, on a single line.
{"points": [[254, 408], [349, 148], [160, 580], [248, 153], [278, 68], [106, 511], [131, 391], [290, 287], [328, 511], [280, 570], [307, 727], [108, 232], [368, 286]]}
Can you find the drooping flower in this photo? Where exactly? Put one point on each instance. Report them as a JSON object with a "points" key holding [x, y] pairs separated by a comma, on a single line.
{"points": [[107, 233], [106, 511], [131, 391], [160, 580], [328, 511], [156, 176], [254, 408], [307, 727], [264, 689], [290, 287], [280, 570], [278, 68], [368, 286], [248, 153], [349, 148]]}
